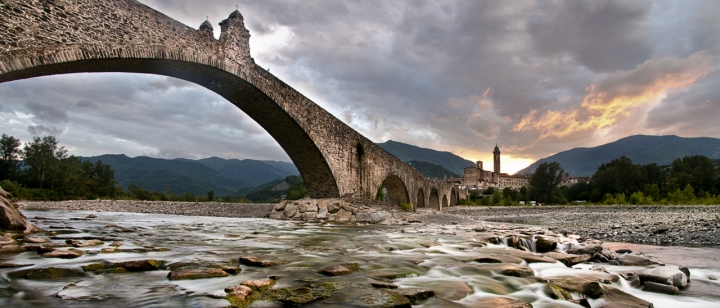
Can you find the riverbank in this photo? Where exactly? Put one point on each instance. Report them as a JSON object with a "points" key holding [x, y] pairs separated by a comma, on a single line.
{"points": [[666, 225]]}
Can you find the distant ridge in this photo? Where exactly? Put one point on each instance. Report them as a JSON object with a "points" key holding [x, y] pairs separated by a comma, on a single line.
{"points": [[407, 152], [642, 149]]}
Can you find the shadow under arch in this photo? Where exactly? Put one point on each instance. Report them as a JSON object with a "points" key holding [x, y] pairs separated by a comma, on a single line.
{"points": [[396, 190], [420, 203], [444, 201], [434, 200], [268, 113], [453, 197]]}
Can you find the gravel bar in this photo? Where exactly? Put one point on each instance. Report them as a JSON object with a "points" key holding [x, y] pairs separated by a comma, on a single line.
{"points": [[219, 209]]}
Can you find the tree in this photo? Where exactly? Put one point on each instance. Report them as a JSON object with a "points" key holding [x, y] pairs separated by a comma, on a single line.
{"points": [[9, 153], [544, 183], [211, 195], [697, 171], [42, 157]]}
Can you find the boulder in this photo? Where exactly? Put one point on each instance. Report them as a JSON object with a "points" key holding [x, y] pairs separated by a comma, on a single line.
{"points": [[11, 219], [634, 260], [584, 249], [255, 261], [184, 274], [63, 253], [340, 269], [508, 269], [139, 265], [415, 295], [383, 298], [230, 269], [35, 240], [298, 296], [500, 302], [615, 298], [238, 296], [668, 275], [54, 272], [567, 258], [88, 243], [13, 265], [12, 248], [382, 284], [259, 284], [556, 292], [545, 243], [650, 286], [662, 228]]}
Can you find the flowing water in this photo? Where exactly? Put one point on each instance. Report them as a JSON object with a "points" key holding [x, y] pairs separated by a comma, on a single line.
{"points": [[437, 258]]}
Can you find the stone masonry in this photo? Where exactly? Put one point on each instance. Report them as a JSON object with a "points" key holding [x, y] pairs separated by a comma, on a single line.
{"points": [[47, 37]]}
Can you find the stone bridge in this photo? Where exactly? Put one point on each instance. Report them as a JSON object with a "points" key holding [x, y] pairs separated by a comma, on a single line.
{"points": [[47, 37]]}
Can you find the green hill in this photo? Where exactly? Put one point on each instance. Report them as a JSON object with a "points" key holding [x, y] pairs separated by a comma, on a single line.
{"points": [[431, 170], [407, 153], [640, 148], [254, 172]]}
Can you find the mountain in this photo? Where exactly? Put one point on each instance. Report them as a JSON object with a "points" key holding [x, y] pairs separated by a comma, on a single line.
{"points": [[407, 152], [431, 170], [641, 149], [178, 175], [253, 171]]}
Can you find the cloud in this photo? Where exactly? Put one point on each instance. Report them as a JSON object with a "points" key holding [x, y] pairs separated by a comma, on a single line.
{"points": [[618, 95], [42, 130], [50, 113], [86, 103]]}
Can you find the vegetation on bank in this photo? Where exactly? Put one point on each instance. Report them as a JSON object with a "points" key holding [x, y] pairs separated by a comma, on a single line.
{"points": [[43, 171], [691, 180]]}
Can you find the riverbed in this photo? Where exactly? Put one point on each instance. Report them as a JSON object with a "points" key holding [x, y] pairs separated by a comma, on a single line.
{"points": [[442, 258]]}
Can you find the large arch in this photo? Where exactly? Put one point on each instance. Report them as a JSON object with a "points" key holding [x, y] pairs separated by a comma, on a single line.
{"points": [[453, 197], [420, 203], [444, 201], [434, 200], [78, 36], [396, 189]]}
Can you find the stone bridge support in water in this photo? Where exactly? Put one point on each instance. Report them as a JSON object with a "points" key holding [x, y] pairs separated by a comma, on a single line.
{"points": [[47, 37]]}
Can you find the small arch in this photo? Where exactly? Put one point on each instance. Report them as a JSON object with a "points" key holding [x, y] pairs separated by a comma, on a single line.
{"points": [[420, 200], [453, 197], [444, 201], [396, 189], [434, 202]]}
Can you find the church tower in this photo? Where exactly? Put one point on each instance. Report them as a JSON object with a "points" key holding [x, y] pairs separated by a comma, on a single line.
{"points": [[496, 160]]}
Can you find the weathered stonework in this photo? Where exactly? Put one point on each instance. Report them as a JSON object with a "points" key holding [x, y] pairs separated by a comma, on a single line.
{"points": [[47, 37]]}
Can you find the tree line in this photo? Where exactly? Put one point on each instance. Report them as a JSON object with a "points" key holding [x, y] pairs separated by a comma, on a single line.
{"points": [[688, 180]]}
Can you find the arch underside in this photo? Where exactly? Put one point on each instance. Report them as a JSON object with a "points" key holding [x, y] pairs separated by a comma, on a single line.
{"points": [[444, 201], [434, 200], [420, 203], [302, 150], [396, 189]]}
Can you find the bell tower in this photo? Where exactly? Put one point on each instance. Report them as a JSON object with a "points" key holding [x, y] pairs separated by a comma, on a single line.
{"points": [[496, 160]]}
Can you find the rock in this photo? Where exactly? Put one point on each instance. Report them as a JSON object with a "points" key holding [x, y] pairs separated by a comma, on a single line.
{"points": [[660, 229], [623, 251], [64, 254], [669, 275], [322, 212], [238, 296], [308, 207], [545, 244], [499, 302], [91, 216], [255, 261], [290, 210], [109, 250], [259, 284], [116, 244], [686, 271], [36, 240], [11, 219], [650, 286], [12, 248], [280, 206], [87, 243], [93, 267], [451, 290], [184, 274], [568, 259], [410, 230], [334, 207], [711, 277], [230, 269], [615, 298], [593, 289], [340, 269], [634, 260], [383, 299], [582, 302], [556, 292], [344, 215], [508, 269], [415, 295], [584, 249], [298, 296], [139, 265], [54, 272]]}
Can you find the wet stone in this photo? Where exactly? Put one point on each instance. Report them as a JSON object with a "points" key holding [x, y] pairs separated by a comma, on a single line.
{"points": [[259, 284], [139, 265], [63, 254], [54, 273], [230, 269], [36, 240], [415, 295], [184, 274], [12, 265], [255, 261], [340, 269]]}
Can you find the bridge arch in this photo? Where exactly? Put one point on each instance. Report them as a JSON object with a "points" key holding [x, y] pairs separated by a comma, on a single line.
{"points": [[420, 203], [444, 201], [396, 190], [434, 200], [453, 197], [333, 159]]}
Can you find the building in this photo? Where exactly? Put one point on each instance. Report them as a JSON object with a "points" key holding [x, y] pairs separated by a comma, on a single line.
{"points": [[476, 177]]}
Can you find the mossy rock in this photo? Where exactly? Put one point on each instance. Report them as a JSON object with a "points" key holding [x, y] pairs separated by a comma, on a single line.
{"points": [[556, 292], [140, 265], [93, 267], [118, 270], [383, 299], [341, 269], [54, 272]]}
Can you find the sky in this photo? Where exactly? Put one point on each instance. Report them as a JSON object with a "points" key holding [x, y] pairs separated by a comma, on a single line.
{"points": [[534, 77]]}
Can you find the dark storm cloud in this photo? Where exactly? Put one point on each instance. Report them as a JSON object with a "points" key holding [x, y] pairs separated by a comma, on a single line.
{"points": [[50, 113], [603, 35], [42, 130], [450, 75]]}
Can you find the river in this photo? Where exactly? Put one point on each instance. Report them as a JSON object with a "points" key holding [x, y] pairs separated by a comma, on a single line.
{"points": [[436, 258]]}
